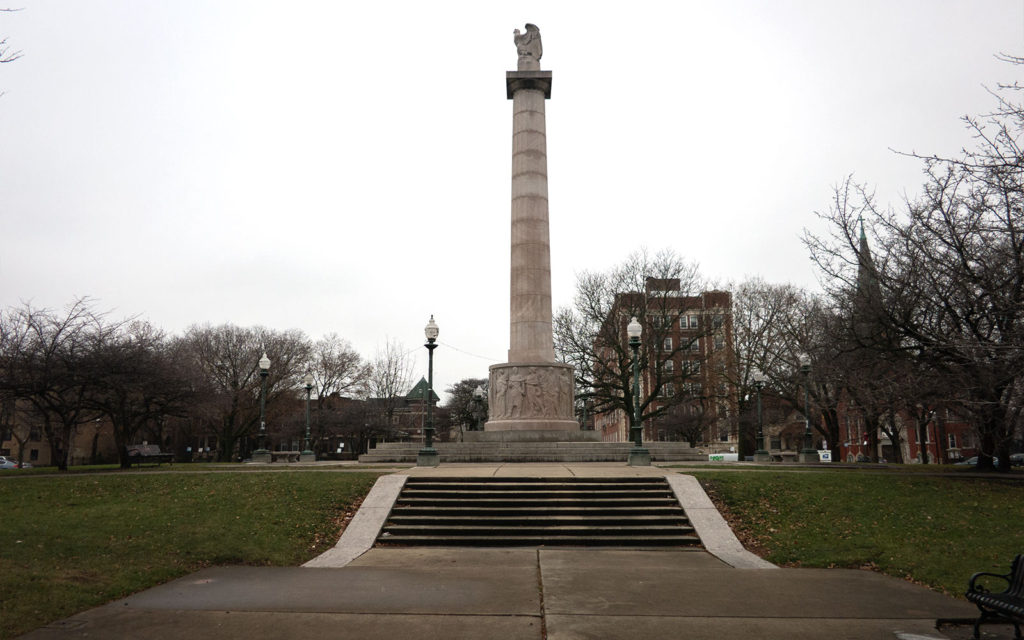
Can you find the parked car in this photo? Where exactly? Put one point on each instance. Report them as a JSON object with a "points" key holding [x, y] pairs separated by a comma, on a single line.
{"points": [[973, 461], [1017, 459], [7, 463]]}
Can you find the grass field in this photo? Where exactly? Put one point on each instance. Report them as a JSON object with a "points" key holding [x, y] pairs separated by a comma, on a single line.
{"points": [[70, 543], [936, 531]]}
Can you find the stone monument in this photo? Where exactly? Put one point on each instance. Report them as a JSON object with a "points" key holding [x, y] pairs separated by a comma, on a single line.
{"points": [[531, 395]]}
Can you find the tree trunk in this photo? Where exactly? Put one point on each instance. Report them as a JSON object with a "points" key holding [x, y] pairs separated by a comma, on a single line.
{"points": [[922, 440], [988, 447]]}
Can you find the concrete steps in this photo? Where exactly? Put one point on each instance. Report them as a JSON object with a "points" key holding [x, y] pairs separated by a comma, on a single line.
{"points": [[532, 452], [507, 512]]}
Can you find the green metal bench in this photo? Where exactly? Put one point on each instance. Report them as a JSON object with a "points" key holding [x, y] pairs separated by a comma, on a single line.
{"points": [[1006, 606]]}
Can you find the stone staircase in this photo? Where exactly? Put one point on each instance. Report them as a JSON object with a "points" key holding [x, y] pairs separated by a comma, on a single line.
{"points": [[533, 452], [509, 512]]}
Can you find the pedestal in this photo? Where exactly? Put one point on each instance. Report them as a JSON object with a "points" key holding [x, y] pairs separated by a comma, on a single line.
{"points": [[639, 457], [261, 455], [307, 456], [531, 397], [427, 458]]}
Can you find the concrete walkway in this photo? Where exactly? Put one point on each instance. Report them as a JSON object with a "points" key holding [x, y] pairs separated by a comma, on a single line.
{"points": [[555, 593]]}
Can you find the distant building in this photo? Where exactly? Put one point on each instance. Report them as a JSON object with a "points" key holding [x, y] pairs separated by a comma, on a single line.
{"points": [[697, 366], [408, 414], [92, 442], [948, 437]]}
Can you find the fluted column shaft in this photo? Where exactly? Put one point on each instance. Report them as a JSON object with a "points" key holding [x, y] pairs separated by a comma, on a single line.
{"points": [[530, 337]]}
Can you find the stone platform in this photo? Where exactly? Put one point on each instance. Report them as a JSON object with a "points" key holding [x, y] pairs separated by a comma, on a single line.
{"points": [[535, 451]]}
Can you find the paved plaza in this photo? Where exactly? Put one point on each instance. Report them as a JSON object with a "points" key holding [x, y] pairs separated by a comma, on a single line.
{"points": [[554, 593]]}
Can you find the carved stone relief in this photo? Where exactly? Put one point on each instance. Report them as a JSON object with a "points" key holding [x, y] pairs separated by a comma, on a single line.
{"points": [[530, 391]]}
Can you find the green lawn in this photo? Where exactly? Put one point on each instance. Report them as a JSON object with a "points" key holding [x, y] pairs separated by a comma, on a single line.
{"points": [[933, 530], [70, 543]]}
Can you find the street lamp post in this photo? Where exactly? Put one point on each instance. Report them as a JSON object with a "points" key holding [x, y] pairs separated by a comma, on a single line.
{"points": [[262, 454], [307, 454], [478, 400], [638, 456], [808, 453], [428, 456], [762, 454]]}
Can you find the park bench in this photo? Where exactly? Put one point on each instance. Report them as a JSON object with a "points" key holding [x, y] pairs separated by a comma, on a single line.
{"points": [[139, 453], [288, 456], [1006, 606]]}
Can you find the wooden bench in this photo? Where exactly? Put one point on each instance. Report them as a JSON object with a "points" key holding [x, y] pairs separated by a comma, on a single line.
{"points": [[1006, 606], [139, 453], [289, 456]]}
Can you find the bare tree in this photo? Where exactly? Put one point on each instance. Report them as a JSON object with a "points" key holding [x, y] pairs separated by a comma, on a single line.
{"points": [[949, 270], [464, 411], [6, 55], [44, 353], [390, 378], [135, 382], [337, 369], [224, 362], [689, 422], [590, 334], [775, 325]]}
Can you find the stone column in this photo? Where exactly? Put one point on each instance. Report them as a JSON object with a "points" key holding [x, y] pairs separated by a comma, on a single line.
{"points": [[530, 395], [530, 338]]}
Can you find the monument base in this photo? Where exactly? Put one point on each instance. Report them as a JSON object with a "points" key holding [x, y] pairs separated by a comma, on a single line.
{"points": [[531, 396], [428, 458], [639, 457], [261, 455], [539, 435], [808, 456]]}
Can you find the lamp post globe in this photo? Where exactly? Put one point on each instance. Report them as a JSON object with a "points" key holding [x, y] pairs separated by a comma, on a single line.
{"points": [[262, 454], [638, 456], [478, 399], [428, 456], [307, 454]]}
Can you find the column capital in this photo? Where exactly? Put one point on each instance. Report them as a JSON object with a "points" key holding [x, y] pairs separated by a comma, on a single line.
{"points": [[537, 80]]}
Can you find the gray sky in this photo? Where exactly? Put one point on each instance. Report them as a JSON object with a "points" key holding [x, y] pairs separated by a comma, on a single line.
{"points": [[345, 167]]}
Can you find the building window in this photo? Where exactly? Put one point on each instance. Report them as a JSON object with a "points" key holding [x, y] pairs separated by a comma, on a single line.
{"points": [[719, 342], [695, 346], [33, 455], [668, 390], [667, 344], [694, 322], [951, 437], [716, 321], [669, 366]]}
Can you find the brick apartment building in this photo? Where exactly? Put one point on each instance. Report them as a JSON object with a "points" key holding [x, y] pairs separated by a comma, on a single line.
{"points": [[696, 359]]}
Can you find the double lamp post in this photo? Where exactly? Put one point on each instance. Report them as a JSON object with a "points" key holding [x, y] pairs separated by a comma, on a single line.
{"points": [[262, 454]]}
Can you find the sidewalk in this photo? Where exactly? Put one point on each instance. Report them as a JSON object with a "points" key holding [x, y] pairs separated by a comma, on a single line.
{"points": [[555, 593]]}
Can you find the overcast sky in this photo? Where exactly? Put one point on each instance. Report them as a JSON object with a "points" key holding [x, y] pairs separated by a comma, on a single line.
{"points": [[345, 167]]}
